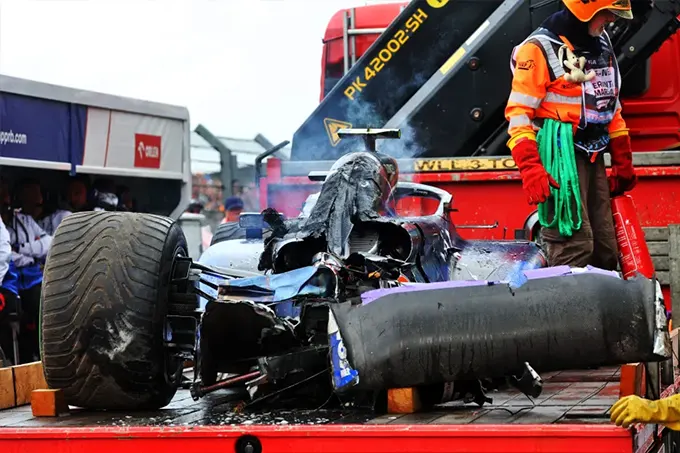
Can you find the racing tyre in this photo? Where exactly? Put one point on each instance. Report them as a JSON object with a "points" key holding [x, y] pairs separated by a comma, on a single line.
{"points": [[103, 310], [227, 232]]}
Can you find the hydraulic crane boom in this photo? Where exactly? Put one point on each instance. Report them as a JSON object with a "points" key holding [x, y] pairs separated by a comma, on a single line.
{"points": [[467, 94], [446, 85], [415, 45], [476, 125]]}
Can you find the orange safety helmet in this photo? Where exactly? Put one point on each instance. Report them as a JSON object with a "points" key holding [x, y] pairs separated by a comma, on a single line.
{"points": [[585, 10]]}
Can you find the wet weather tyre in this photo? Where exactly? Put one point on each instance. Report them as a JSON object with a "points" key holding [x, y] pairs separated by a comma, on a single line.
{"points": [[227, 232], [103, 310]]}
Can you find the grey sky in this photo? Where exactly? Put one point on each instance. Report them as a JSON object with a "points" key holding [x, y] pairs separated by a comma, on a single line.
{"points": [[240, 66]]}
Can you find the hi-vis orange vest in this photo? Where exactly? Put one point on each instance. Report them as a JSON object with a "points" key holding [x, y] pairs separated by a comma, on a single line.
{"points": [[539, 90]]}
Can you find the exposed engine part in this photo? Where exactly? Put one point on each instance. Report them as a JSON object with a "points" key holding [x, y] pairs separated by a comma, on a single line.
{"points": [[356, 190], [363, 241]]}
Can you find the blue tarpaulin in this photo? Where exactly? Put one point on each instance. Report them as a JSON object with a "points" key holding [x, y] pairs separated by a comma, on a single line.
{"points": [[277, 287]]}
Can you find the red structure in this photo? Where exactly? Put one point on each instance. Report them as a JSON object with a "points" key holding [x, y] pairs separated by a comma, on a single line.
{"points": [[634, 254], [488, 203], [323, 439]]}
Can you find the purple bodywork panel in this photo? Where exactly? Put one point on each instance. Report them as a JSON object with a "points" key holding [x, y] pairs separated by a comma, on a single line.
{"points": [[514, 281]]}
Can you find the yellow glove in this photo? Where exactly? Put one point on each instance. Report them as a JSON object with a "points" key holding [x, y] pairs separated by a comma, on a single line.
{"points": [[633, 409]]}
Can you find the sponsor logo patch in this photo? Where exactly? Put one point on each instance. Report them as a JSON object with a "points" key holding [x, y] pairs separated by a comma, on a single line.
{"points": [[147, 151]]}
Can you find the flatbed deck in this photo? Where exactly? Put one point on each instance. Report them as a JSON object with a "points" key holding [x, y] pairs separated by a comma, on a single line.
{"points": [[568, 397]]}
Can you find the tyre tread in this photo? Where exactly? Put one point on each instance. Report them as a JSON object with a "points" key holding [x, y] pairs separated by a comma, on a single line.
{"points": [[101, 291]]}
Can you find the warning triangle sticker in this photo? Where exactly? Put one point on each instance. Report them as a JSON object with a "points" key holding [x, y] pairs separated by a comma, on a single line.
{"points": [[332, 127]]}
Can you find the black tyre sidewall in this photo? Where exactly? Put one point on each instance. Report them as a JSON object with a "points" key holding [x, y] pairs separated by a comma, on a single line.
{"points": [[139, 380], [175, 244], [224, 232]]}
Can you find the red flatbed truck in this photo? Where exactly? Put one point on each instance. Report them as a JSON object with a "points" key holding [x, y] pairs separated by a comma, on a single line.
{"points": [[569, 416], [427, 36]]}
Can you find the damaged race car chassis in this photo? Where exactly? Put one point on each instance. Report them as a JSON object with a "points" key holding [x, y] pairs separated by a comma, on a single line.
{"points": [[348, 300]]}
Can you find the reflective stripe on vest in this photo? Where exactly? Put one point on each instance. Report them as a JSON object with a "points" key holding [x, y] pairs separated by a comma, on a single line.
{"points": [[561, 99], [525, 99], [520, 120], [599, 99], [546, 45]]}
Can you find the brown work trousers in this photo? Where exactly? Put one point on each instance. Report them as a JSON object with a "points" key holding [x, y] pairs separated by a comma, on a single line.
{"points": [[595, 243]]}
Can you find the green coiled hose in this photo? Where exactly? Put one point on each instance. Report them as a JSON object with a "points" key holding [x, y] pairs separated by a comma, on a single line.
{"points": [[556, 149]]}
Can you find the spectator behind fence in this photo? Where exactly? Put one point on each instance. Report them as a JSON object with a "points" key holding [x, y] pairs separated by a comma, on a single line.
{"points": [[233, 206], [30, 245], [230, 229], [196, 206], [236, 188]]}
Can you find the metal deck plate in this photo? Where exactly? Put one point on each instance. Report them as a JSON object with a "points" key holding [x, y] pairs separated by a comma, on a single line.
{"points": [[568, 397]]}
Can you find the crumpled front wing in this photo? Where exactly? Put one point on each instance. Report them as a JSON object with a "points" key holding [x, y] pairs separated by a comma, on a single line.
{"points": [[444, 332]]}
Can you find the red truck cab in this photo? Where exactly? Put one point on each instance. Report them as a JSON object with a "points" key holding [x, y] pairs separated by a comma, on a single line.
{"points": [[368, 22]]}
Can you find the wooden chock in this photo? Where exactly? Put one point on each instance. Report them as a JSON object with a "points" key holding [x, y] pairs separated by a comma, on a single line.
{"points": [[403, 401], [48, 403], [7, 395], [28, 377], [17, 382], [632, 380]]}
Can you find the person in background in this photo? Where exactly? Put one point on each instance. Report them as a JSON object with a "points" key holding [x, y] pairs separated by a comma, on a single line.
{"points": [[75, 194], [104, 195], [236, 188], [31, 202], [30, 245], [233, 207], [9, 292], [125, 200], [196, 206]]}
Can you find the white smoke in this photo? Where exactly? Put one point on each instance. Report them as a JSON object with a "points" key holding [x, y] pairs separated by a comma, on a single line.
{"points": [[363, 115]]}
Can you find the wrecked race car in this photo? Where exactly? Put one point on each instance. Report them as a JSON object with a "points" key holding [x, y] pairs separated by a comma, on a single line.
{"points": [[348, 299]]}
